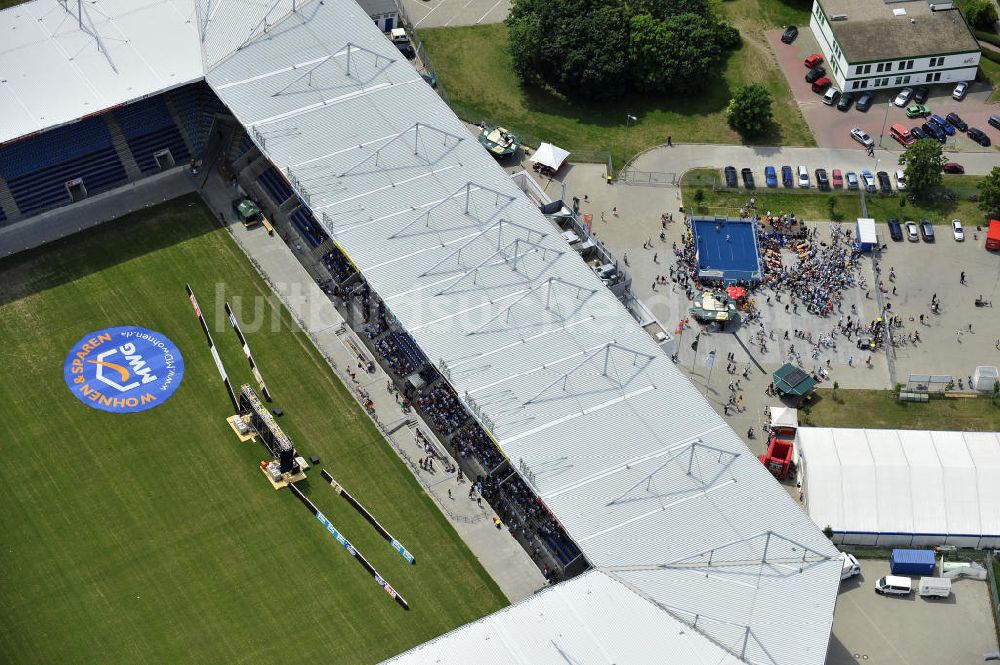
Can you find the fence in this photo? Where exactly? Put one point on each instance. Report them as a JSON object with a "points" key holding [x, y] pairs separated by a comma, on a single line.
{"points": [[991, 575], [651, 178]]}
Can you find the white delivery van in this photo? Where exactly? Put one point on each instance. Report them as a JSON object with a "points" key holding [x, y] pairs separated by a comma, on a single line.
{"points": [[851, 567], [398, 36], [893, 585], [934, 587]]}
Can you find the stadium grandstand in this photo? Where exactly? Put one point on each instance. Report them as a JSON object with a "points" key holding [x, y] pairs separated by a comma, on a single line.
{"points": [[582, 434]]}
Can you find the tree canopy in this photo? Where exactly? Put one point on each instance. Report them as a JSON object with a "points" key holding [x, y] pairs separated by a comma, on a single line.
{"points": [[749, 111], [981, 14], [596, 49], [923, 162], [989, 193]]}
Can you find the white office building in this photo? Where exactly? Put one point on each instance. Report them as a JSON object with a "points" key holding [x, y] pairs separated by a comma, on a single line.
{"points": [[870, 44]]}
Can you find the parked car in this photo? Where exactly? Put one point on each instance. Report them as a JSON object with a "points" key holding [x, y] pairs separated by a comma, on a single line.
{"points": [[869, 181], [918, 133], [911, 232], [921, 93], [791, 32], [803, 176], [862, 137], [845, 102], [893, 585], [830, 96], [770, 176], [895, 230], [933, 131], [926, 230], [994, 121], [747, 178], [730, 174], [957, 230], [822, 181], [943, 124], [979, 136], [852, 180], [407, 51], [900, 180], [815, 73], [837, 178], [958, 94], [864, 102], [954, 168], [813, 60], [821, 85], [883, 182], [956, 121], [786, 176], [903, 97], [917, 111]]}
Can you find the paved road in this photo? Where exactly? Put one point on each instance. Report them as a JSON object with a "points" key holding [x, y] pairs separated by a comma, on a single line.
{"points": [[680, 158]]}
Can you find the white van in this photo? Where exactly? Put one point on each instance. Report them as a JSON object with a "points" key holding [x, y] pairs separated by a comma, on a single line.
{"points": [[398, 36], [893, 585], [934, 587], [851, 567], [803, 176], [830, 96]]}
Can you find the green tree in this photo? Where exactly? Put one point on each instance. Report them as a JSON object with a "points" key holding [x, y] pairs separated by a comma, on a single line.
{"points": [[679, 52], [989, 193], [749, 111], [579, 47], [923, 163], [981, 14]]}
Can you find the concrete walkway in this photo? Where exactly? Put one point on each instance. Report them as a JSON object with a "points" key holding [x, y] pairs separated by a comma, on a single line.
{"points": [[283, 268]]}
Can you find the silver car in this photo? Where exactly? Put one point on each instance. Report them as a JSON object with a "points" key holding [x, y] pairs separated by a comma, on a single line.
{"points": [[911, 232], [903, 97], [958, 94], [862, 137]]}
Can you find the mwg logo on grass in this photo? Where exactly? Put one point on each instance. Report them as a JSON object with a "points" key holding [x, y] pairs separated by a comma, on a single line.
{"points": [[123, 369]]}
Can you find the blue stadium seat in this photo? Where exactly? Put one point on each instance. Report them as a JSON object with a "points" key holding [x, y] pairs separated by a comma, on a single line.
{"points": [[196, 106], [307, 226], [63, 144], [149, 128], [275, 185]]}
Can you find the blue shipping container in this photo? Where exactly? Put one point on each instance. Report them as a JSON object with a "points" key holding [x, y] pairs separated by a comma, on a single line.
{"points": [[912, 562]]}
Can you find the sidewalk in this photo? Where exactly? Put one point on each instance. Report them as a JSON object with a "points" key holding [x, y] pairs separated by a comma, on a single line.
{"points": [[501, 555]]}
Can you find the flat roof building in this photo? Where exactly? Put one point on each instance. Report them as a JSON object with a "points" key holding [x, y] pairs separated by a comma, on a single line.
{"points": [[871, 44]]}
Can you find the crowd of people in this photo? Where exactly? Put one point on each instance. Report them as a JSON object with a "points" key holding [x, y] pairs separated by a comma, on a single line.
{"points": [[473, 442], [442, 406]]}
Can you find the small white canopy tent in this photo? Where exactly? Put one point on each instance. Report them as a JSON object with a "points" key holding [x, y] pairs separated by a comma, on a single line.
{"points": [[782, 416], [550, 156]]}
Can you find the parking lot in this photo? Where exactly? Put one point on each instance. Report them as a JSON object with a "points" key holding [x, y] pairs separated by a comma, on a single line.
{"points": [[878, 629], [832, 127], [442, 13]]}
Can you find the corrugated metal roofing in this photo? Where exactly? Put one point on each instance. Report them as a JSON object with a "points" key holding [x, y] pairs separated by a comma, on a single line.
{"points": [[654, 486], [126, 50], [903, 482], [635, 464]]}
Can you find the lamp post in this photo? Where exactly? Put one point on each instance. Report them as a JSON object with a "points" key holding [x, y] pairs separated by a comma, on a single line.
{"points": [[884, 120], [628, 118]]}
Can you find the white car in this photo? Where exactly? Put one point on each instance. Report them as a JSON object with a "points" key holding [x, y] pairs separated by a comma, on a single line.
{"points": [[958, 94], [911, 232], [903, 97], [862, 137], [957, 230], [900, 180], [803, 176]]}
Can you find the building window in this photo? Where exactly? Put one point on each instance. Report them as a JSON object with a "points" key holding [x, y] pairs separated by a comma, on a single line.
{"points": [[864, 84], [906, 79], [899, 80], [854, 85], [937, 77]]}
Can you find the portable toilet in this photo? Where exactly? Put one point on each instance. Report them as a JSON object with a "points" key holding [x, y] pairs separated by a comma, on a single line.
{"points": [[866, 238]]}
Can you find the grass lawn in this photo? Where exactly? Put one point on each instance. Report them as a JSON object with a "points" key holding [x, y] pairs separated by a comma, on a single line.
{"points": [[473, 66], [811, 204], [991, 72], [153, 537], [879, 409]]}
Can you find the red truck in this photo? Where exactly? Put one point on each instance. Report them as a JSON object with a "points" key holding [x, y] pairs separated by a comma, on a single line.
{"points": [[993, 235], [778, 458]]}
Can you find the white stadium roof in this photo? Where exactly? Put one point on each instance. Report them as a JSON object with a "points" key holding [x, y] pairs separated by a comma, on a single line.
{"points": [[660, 494], [904, 487]]}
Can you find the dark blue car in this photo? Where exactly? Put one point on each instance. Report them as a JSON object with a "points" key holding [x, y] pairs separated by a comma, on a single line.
{"points": [[770, 177], [786, 176], [943, 124]]}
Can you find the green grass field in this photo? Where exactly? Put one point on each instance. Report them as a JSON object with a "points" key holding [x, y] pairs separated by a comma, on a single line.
{"points": [[879, 409], [153, 537], [811, 204], [474, 68]]}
